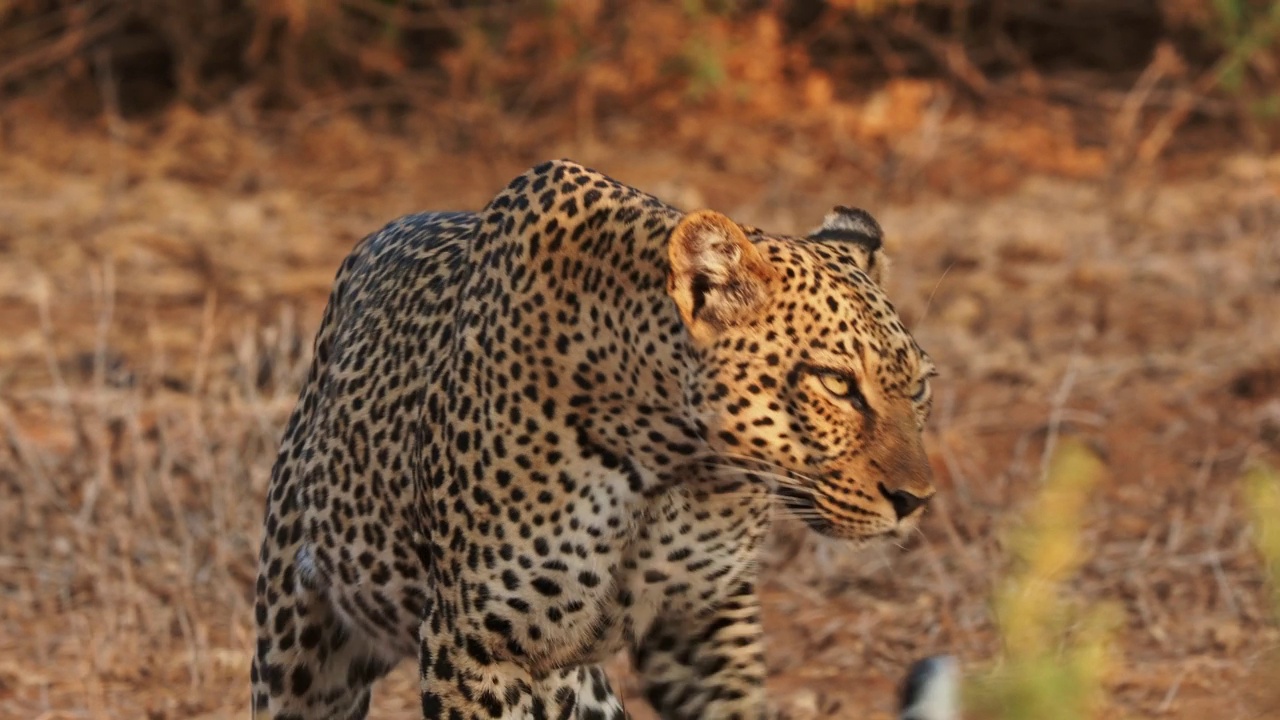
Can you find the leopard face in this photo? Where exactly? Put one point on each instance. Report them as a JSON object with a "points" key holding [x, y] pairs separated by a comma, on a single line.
{"points": [[806, 371]]}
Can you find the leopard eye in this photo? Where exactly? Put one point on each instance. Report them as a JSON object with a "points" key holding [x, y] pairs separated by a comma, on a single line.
{"points": [[922, 392], [843, 387]]}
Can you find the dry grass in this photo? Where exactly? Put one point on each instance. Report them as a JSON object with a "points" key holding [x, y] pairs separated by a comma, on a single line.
{"points": [[160, 285]]}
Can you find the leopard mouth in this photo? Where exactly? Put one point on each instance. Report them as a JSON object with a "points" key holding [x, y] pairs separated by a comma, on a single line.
{"points": [[800, 502]]}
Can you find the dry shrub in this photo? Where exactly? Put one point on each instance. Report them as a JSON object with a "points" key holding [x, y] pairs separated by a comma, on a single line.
{"points": [[590, 58], [655, 55]]}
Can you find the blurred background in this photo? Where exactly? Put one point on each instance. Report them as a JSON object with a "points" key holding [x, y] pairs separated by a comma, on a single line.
{"points": [[1081, 197]]}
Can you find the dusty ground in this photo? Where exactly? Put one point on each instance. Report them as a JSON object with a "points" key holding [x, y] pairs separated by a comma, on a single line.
{"points": [[161, 281]]}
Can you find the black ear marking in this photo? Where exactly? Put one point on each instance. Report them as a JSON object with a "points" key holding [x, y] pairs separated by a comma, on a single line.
{"points": [[850, 224], [856, 228], [701, 287]]}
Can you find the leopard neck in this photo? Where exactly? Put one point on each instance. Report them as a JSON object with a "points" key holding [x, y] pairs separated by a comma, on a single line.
{"points": [[574, 264]]}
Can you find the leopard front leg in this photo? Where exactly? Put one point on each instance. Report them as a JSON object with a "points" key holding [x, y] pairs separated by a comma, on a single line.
{"points": [[711, 666], [461, 680]]}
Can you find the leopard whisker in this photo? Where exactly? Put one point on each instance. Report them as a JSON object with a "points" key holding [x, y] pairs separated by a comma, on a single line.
{"points": [[749, 459], [789, 479], [774, 479], [725, 467]]}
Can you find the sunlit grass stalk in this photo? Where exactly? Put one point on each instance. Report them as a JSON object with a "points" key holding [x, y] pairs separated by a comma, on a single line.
{"points": [[1055, 656], [1262, 496], [1262, 500]]}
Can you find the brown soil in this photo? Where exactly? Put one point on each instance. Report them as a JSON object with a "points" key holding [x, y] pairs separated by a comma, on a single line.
{"points": [[161, 281]]}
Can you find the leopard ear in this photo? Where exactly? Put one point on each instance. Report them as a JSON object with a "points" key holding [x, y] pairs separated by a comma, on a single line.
{"points": [[718, 278], [862, 234]]}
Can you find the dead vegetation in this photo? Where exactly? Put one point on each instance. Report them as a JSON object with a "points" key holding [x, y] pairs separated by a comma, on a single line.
{"points": [[1151, 66], [1090, 255]]}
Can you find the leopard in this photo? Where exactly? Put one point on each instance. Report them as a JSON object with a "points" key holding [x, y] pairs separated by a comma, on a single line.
{"points": [[556, 431]]}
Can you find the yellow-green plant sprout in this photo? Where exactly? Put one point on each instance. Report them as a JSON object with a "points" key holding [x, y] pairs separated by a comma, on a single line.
{"points": [[1262, 494], [1245, 31], [1262, 498], [1055, 655]]}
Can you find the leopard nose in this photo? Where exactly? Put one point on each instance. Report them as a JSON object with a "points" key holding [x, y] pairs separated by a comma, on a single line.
{"points": [[904, 503]]}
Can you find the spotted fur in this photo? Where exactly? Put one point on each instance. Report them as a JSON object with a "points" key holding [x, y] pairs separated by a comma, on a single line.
{"points": [[543, 433]]}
